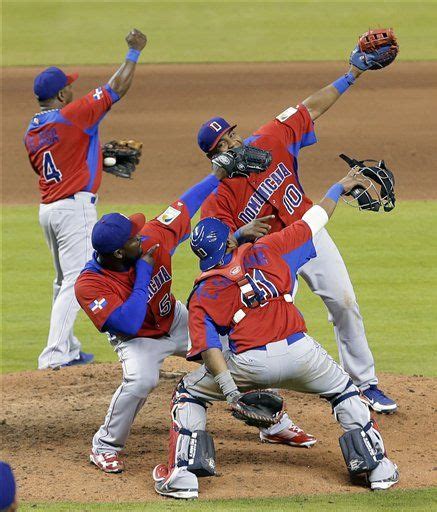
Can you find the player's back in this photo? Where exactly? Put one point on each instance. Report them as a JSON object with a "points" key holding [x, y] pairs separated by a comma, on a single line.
{"points": [[58, 152], [63, 145], [269, 275]]}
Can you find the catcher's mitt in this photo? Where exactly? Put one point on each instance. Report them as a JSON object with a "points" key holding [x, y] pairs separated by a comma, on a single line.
{"points": [[121, 156], [243, 161], [260, 409], [376, 49], [369, 197]]}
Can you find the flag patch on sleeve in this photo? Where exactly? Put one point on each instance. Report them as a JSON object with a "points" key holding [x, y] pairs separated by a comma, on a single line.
{"points": [[98, 304], [286, 114], [169, 215]]}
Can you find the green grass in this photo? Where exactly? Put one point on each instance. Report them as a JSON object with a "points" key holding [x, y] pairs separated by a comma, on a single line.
{"points": [[363, 502], [72, 32], [391, 259]]}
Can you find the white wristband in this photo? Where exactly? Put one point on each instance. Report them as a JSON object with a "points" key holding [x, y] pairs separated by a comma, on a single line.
{"points": [[316, 218]]}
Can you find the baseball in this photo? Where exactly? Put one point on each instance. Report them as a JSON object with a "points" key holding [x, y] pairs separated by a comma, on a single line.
{"points": [[109, 161]]}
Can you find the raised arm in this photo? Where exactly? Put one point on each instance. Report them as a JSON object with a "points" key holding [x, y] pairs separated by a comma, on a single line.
{"points": [[376, 49], [319, 102], [121, 81], [319, 214]]}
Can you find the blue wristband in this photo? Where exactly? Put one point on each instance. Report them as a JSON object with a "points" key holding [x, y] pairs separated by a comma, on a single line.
{"points": [[344, 82], [335, 192], [133, 55]]}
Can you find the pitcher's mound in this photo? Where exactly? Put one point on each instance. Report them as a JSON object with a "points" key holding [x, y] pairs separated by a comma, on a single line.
{"points": [[49, 418]]}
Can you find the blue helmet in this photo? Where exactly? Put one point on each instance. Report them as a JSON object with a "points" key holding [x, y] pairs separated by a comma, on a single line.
{"points": [[208, 242]]}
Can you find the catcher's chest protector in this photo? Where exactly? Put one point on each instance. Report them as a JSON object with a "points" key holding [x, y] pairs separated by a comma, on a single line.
{"points": [[235, 272]]}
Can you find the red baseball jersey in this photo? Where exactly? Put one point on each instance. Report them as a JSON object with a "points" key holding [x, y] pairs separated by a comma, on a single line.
{"points": [[275, 191], [63, 145], [270, 265], [100, 291]]}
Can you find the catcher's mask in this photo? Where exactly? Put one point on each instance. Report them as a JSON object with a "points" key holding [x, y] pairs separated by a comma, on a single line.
{"points": [[208, 241], [369, 197]]}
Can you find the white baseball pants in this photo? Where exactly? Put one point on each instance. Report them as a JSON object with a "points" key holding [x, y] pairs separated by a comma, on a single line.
{"points": [[67, 226]]}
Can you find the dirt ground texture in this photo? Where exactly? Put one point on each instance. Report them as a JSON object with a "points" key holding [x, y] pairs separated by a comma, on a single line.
{"points": [[388, 114], [48, 418]]}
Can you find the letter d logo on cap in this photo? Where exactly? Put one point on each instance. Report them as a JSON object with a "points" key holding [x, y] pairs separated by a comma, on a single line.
{"points": [[215, 126]]}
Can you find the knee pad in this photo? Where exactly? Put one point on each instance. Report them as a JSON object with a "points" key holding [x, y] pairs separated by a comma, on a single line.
{"points": [[190, 447], [360, 452]]}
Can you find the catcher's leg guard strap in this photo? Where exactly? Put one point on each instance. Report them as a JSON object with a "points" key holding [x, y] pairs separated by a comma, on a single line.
{"points": [[349, 391], [359, 452]]}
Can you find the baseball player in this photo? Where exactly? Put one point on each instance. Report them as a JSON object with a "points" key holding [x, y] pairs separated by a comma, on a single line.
{"points": [[64, 150], [247, 292], [267, 202], [126, 291]]}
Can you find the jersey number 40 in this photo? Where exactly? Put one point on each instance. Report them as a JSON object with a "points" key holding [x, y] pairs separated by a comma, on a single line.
{"points": [[49, 169]]}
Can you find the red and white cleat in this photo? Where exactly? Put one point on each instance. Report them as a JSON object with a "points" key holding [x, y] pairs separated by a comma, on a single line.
{"points": [[293, 436], [160, 472], [107, 462]]}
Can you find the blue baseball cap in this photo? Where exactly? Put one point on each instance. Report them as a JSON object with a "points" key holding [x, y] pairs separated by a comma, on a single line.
{"points": [[48, 83], [113, 230], [7, 486], [208, 242], [211, 132]]}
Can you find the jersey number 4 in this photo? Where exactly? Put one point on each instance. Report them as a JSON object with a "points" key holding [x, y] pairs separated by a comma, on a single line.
{"points": [[49, 169]]}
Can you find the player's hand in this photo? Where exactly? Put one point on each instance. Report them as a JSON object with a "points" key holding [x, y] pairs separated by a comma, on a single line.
{"points": [[352, 179], [136, 39], [219, 172], [256, 228], [148, 256]]}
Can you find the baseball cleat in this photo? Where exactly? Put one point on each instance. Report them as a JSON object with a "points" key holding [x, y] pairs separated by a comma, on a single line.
{"points": [[164, 489], [293, 436], [107, 462], [382, 485], [82, 359], [160, 472], [378, 401]]}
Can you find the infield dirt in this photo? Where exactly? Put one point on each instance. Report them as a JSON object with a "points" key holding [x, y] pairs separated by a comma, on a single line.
{"points": [[388, 114], [48, 418]]}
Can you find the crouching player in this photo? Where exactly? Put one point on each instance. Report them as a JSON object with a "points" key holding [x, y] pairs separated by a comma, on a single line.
{"points": [[247, 293]]}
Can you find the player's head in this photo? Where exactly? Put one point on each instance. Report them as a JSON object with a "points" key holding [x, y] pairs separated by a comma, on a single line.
{"points": [[210, 240], [115, 237], [54, 86], [7, 488], [218, 136]]}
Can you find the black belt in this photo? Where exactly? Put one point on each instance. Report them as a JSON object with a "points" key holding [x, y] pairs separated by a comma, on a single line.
{"points": [[93, 199]]}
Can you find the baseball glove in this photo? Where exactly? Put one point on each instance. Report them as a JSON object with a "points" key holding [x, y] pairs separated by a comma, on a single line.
{"points": [[120, 157], [376, 49], [260, 409], [243, 161]]}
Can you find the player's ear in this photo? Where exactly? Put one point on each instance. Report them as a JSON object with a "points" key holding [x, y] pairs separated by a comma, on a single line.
{"points": [[231, 243], [119, 253], [62, 95]]}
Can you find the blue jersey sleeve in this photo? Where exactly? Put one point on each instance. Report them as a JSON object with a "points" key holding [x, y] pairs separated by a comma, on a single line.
{"points": [[129, 317], [194, 197]]}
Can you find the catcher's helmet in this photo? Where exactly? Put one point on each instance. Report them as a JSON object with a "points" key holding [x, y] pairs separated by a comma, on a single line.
{"points": [[208, 242], [369, 197]]}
